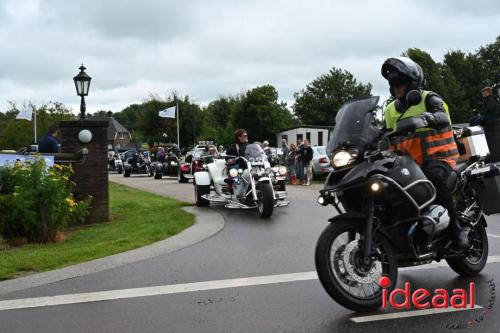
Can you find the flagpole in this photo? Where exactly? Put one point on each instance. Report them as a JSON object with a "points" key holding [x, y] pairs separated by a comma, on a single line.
{"points": [[34, 126], [177, 116]]}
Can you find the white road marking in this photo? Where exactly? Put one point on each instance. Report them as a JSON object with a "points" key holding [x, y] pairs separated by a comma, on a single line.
{"points": [[407, 314], [495, 236], [177, 288]]}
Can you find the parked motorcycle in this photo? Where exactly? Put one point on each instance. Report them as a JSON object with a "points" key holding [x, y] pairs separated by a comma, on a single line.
{"points": [[246, 182], [387, 216]]}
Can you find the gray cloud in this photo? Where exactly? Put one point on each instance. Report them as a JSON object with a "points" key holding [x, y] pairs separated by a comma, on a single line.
{"points": [[210, 48]]}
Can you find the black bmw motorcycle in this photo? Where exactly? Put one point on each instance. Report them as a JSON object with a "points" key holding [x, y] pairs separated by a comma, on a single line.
{"points": [[386, 212]]}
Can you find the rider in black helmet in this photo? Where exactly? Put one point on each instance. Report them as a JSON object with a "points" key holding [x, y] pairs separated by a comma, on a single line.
{"points": [[433, 147]]}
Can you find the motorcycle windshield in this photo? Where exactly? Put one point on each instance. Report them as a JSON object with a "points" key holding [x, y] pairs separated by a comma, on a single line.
{"points": [[255, 152], [354, 124]]}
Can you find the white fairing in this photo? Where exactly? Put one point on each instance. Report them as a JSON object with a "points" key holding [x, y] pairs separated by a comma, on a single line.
{"points": [[202, 178]]}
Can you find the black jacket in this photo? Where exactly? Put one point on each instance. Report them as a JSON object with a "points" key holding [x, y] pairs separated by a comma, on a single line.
{"points": [[234, 150], [48, 144]]}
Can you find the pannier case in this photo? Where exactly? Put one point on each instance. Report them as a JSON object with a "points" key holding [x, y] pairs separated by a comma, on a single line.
{"points": [[474, 143], [487, 187]]}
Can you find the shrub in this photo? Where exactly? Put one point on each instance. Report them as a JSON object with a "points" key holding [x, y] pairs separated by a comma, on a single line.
{"points": [[37, 202]]}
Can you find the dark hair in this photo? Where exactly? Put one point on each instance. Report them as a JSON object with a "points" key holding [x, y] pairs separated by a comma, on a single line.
{"points": [[238, 133], [53, 129]]}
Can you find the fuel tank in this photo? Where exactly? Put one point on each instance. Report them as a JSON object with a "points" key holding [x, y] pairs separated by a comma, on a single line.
{"points": [[408, 174]]}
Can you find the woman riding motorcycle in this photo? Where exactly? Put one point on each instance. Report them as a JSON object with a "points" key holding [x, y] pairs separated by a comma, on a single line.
{"points": [[236, 149], [433, 148]]}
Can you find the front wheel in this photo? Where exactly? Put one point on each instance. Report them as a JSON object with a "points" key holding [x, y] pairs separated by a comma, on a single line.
{"points": [[349, 280], [477, 256], [119, 169], [200, 190], [265, 202]]}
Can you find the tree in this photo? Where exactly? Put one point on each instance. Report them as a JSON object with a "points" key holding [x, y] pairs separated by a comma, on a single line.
{"points": [[320, 101], [217, 119], [262, 115]]}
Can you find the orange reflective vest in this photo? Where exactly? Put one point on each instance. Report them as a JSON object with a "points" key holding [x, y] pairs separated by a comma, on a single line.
{"points": [[426, 143]]}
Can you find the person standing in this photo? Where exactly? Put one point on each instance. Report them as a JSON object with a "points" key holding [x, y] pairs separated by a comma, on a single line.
{"points": [[284, 152], [299, 164], [307, 157], [290, 163], [49, 143]]}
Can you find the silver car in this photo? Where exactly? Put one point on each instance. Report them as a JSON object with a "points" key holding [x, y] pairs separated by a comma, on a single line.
{"points": [[320, 162]]}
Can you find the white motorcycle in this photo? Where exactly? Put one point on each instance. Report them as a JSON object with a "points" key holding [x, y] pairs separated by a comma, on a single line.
{"points": [[247, 183]]}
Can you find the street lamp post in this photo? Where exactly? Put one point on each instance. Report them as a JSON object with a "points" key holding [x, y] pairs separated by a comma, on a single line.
{"points": [[82, 84]]}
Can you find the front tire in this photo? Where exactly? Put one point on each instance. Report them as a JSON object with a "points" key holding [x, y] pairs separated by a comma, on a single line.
{"points": [[119, 169], [265, 202], [475, 262], [200, 190], [341, 279]]}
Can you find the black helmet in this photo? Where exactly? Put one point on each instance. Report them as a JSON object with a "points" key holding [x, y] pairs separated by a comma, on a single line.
{"points": [[400, 70]]}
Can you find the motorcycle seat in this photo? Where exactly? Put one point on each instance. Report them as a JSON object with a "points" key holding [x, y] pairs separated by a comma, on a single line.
{"points": [[460, 168]]}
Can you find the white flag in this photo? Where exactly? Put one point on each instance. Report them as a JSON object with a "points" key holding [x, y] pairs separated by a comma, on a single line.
{"points": [[25, 114], [167, 113]]}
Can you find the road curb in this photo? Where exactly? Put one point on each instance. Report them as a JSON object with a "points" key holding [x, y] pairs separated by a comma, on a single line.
{"points": [[207, 223]]}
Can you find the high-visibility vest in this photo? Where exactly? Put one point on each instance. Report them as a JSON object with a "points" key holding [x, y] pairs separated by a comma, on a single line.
{"points": [[425, 143]]}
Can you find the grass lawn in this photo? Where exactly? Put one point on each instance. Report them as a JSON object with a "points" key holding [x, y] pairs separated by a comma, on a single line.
{"points": [[137, 218]]}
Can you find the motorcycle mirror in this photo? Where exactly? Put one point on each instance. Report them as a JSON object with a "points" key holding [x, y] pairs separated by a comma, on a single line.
{"points": [[413, 97]]}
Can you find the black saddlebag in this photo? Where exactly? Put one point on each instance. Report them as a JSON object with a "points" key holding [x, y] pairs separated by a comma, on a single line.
{"points": [[486, 183]]}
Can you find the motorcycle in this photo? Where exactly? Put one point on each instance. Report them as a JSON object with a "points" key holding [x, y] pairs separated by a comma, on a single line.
{"points": [[137, 163], [169, 167], [387, 218], [118, 163], [249, 178]]}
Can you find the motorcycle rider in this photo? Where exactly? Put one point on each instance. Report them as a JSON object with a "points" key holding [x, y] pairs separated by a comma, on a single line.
{"points": [[236, 149], [433, 147]]}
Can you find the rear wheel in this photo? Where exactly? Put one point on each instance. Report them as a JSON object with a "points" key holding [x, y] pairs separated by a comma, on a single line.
{"points": [[200, 190], [180, 177], [265, 202], [477, 256], [281, 185], [350, 281]]}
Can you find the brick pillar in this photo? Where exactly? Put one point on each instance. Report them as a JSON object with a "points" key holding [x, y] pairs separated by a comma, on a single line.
{"points": [[91, 177], [492, 131]]}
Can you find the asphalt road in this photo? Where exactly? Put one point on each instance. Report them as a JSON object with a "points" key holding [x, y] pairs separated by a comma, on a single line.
{"points": [[242, 279]]}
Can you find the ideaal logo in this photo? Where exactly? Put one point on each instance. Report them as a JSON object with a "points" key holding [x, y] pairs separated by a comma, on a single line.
{"points": [[420, 298], [440, 298]]}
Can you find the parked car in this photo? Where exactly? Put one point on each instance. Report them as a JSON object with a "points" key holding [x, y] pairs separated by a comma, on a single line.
{"points": [[321, 162]]}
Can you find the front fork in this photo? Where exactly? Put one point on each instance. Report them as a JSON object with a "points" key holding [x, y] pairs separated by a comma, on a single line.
{"points": [[367, 239]]}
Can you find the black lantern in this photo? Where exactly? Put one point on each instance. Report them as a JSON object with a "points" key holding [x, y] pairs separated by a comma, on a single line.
{"points": [[82, 84]]}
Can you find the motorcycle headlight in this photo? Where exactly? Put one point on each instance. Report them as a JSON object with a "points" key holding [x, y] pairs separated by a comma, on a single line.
{"points": [[233, 172], [268, 171], [204, 166], [240, 171], [282, 170], [253, 172], [172, 163], [342, 158]]}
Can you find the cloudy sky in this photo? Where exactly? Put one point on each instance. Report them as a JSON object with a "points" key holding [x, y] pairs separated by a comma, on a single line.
{"points": [[211, 48]]}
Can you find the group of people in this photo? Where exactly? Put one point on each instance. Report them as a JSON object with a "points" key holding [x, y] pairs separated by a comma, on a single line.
{"points": [[298, 160]]}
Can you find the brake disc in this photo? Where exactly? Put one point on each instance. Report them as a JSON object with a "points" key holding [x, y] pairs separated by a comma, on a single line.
{"points": [[355, 273]]}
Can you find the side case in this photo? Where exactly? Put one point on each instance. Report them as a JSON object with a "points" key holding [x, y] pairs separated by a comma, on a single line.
{"points": [[486, 183]]}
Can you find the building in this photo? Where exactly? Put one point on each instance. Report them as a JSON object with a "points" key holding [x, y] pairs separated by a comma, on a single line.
{"points": [[118, 137], [317, 135]]}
